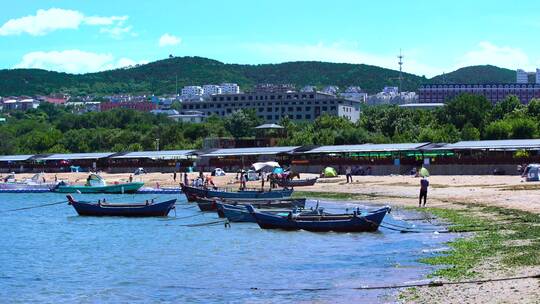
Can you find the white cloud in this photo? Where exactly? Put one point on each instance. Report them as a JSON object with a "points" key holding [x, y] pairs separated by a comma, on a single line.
{"points": [[116, 32], [501, 56], [74, 61], [46, 21], [169, 40], [339, 52]]}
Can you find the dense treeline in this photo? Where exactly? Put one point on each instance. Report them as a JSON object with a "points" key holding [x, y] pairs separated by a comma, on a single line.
{"points": [[160, 77], [52, 129]]}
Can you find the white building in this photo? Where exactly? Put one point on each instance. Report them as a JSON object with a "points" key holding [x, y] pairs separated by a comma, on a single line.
{"points": [[308, 89], [522, 76], [192, 91], [331, 90], [211, 89], [391, 95], [354, 93], [229, 88]]}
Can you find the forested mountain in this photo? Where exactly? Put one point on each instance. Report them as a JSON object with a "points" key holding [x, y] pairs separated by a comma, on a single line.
{"points": [[159, 77]]}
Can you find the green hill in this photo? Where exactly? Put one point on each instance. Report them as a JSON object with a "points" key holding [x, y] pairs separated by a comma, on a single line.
{"points": [[159, 77], [478, 74]]}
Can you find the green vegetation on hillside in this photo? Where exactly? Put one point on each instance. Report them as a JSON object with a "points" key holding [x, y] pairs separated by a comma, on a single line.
{"points": [[54, 129], [159, 77]]}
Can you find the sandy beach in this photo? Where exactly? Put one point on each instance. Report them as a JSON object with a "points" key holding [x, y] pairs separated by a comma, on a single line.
{"points": [[445, 192]]}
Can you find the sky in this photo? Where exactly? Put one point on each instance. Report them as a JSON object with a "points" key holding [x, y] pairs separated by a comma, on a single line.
{"points": [[434, 36]]}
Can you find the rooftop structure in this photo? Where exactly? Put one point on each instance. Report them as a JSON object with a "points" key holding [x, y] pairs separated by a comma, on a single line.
{"points": [[167, 155]]}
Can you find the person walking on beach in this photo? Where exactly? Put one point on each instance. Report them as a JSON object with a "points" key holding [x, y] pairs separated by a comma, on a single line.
{"points": [[348, 174], [424, 184], [130, 178], [174, 176]]}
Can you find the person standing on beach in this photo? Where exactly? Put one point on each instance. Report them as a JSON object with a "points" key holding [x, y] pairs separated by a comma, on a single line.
{"points": [[174, 176], [424, 184], [348, 174]]}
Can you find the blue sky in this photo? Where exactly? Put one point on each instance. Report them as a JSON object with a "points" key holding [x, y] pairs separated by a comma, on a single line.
{"points": [[435, 36]]}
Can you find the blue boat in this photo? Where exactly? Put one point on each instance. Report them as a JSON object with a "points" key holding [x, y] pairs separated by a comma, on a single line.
{"points": [[192, 193], [240, 214], [213, 204], [355, 222], [132, 210]]}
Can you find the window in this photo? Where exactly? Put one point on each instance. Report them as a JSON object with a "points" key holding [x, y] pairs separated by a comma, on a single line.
{"points": [[205, 106], [268, 109], [218, 105], [214, 99], [250, 97], [221, 99], [279, 97], [308, 116], [288, 96], [308, 108], [290, 109], [334, 108], [311, 96], [298, 116], [269, 117], [229, 110], [272, 97], [325, 108], [276, 117], [303, 95], [235, 98], [243, 98], [298, 109], [261, 109]]}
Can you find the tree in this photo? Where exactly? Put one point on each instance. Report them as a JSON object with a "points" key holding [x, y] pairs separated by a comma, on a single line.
{"points": [[242, 123], [507, 105], [469, 132], [523, 128], [498, 130]]}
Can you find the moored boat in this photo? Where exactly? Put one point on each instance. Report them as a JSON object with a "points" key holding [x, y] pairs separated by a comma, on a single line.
{"points": [[240, 213], [36, 183], [192, 193], [355, 222], [96, 184], [213, 204], [289, 183], [102, 208]]}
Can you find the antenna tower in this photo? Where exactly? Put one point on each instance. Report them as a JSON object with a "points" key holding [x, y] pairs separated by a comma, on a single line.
{"points": [[400, 62]]}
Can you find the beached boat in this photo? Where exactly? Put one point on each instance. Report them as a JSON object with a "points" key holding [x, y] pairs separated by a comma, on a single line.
{"points": [[192, 193], [96, 184], [212, 204], [355, 222], [240, 213], [290, 183], [37, 182], [102, 208]]}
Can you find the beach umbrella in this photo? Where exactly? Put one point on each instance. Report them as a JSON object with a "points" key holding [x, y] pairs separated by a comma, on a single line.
{"points": [[329, 172], [424, 172]]}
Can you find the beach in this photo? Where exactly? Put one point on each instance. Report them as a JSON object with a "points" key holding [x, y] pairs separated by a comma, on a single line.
{"points": [[463, 193]]}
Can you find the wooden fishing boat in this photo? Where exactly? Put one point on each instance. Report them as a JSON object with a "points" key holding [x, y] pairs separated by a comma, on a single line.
{"points": [[192, 193], [96, 184], [36, 183], [290, 183], [355, 222], [240, 214], [133, 210], [212, 204]]}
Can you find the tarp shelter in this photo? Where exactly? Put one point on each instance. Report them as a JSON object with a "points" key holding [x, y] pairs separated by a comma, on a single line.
{"points": [[265, 166], [532, 173], [329, 172]]}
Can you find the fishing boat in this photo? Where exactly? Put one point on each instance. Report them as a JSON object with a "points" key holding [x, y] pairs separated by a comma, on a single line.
{"points": [[240, 214], [290, 183], [102, 208], [192, 193], [356, 222], [36, 182], [213, 204], [96, 184]]}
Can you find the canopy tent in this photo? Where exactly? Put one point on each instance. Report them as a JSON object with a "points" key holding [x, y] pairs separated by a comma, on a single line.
{"points": [[265, 166], [329, 172]]}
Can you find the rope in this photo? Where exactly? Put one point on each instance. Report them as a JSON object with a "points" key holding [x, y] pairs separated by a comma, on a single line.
{"points": [[184, 217], [206, 224], [394, 286], [33, 207]]}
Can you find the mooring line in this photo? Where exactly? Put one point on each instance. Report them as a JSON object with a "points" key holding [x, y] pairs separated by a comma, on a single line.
{"points": [[33, 207]]}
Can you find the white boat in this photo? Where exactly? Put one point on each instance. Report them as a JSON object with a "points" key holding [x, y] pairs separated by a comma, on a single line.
{"points": [[37, 182]]}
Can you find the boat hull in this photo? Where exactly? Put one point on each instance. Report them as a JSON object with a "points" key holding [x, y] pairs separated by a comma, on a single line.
{"points": [[206, 204], [116, 189], [192, 193], [129, 210], [240, 214], [296, 183], [337, 223]]}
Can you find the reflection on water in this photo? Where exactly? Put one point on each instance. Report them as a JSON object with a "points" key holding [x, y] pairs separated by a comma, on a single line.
{"points": [[52, 255]]}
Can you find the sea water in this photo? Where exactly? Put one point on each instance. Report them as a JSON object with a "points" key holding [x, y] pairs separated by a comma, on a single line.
{"points": [[52, 255]]}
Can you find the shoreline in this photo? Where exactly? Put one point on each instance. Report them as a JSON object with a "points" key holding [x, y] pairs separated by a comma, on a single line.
{"points": [[502, 209]]}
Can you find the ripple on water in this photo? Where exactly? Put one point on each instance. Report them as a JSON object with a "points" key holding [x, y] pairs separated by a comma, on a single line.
{"points": [[56, 256]]}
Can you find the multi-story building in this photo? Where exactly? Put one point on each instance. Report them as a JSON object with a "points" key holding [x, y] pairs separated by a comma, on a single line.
{"points": [[139, 106], [522, 76], [537, 76], [192, 91], [435, 93], [20, 104], [308, 88], [229, 88], [272, 106], [354, 93], [211, 89]]}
